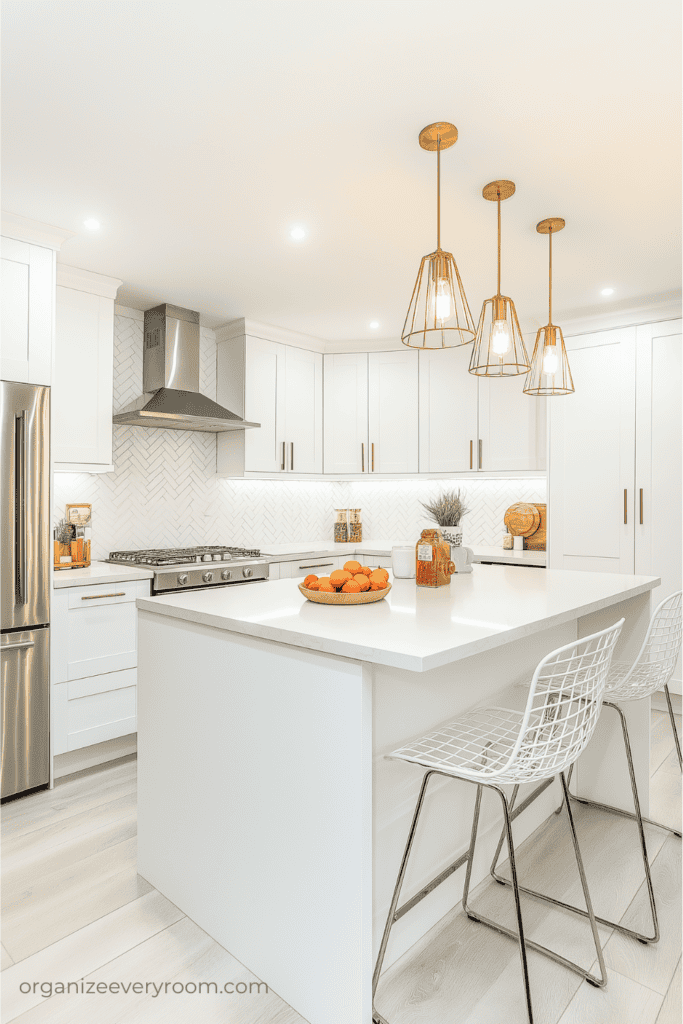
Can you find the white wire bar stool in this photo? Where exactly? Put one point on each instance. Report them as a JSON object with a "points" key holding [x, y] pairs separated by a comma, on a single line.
{"points": [[492, 747], [651, 670]]}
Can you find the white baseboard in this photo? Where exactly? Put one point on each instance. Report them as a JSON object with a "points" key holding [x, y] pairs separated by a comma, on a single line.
{"points": [[658, 702], [98, 753]]}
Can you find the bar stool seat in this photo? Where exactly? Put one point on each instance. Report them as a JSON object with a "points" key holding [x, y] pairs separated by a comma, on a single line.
{"points": [[496, 743], [494, 746]]}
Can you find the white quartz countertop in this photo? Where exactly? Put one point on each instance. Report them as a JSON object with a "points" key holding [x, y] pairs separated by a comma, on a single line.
{"points": [[412, 628], [99, 572], [382, 549]]}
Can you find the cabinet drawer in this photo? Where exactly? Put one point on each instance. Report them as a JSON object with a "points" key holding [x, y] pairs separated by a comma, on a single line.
{"points": [[102, 594], [101, 639], [319, 565], [101, 684], [101, 716]]}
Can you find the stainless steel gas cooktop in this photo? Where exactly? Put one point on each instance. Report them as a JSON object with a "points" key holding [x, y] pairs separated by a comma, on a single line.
{"points": [[189, 568]]}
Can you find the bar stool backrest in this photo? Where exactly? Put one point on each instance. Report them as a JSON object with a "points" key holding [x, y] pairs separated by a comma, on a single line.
{"points": [[657, 658], [563, 707]]}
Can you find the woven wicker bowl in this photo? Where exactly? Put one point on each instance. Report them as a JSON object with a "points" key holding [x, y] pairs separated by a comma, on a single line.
{"points": [[364, 597]]}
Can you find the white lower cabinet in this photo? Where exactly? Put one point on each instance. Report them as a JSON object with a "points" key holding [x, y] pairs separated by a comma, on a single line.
{"points": [[94, 663]]}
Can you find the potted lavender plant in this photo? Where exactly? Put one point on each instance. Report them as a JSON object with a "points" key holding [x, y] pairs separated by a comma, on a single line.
{"points": [[447, 510]]}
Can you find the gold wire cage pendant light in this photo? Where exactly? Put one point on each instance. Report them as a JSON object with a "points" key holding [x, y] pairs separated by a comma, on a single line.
{"points": [[549, 374], [499, 349], [438, 315]]}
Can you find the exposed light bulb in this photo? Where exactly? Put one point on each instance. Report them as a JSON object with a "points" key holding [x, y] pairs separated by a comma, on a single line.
{"points": [[442, 300], [550, 359], [500, 337]]}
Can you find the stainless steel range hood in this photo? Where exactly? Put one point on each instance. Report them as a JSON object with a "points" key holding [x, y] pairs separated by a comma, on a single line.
{"points": [[170, 378]]}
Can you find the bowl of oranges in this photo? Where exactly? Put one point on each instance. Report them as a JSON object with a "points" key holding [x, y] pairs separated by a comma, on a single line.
{"points": [[354, 584]]}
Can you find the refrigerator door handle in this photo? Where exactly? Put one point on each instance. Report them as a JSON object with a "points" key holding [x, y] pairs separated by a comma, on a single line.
{"points": [[17, 647], [20, 490]]}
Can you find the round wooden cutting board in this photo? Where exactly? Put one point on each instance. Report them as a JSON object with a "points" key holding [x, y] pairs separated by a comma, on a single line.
{"points": [[522, 520]]}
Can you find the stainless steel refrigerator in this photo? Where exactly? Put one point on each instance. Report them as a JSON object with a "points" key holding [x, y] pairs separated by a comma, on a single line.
{"points": [[25, 586]]}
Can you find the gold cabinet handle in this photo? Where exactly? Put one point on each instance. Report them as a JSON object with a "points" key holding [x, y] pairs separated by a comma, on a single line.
{"points": [[98, 597], [481, 443], [318, 565], [362, 457], [625, 506], [372, 454], [471, 455], [282, 464], [641, 506], [291, 455]]}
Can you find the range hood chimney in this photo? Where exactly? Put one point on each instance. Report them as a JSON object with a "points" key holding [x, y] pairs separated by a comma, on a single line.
{"points": [[170, 378]]}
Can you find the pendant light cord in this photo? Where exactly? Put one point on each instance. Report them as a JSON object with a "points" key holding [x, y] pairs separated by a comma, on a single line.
{"points": [[550, 276], [438, 192], [499, 241]]}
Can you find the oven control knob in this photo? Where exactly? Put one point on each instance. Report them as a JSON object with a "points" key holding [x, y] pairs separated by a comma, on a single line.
{"points": [[248, 572], [182, 579], [207, 577], [226, 574]]}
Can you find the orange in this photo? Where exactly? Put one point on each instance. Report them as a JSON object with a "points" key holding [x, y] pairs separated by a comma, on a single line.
{"points": [[339, 577], [313, 586], [380, 577], [324, 584], [362, 581], [351, 587], [365, 569], [352, 567], [310, 579]]}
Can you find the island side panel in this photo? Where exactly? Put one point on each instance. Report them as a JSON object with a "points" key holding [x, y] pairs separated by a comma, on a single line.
{"points": [[255, 815], [602, 771], [406, 705]]}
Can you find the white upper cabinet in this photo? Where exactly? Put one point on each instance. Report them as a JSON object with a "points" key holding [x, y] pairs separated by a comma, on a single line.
{"points": [[393, 415], [27, 304], [591, 496], [448, 411], [512, 426], [264, 403], [280, 387], [83, 372], [346, 413], [302, 431]]}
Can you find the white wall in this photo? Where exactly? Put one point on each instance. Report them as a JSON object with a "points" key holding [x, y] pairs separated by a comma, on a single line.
{"points": [[164, 491]]}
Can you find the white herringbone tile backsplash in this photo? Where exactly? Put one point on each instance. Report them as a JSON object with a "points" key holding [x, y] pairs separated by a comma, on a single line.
{"points": [[164, 491]]}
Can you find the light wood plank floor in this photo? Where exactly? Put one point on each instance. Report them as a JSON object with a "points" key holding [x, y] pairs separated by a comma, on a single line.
{"points": [[74, 908]]}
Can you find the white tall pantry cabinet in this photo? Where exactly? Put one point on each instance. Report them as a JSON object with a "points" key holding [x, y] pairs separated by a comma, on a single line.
{"points": [[615, 457]]}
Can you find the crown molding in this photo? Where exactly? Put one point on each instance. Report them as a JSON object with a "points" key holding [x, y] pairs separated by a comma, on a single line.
{"points": [[34, 231], [243, 326], [86, 281], [664, 307]]}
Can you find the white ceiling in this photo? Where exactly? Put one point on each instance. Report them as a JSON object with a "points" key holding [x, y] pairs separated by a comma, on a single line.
{"points": [[198, 132]]}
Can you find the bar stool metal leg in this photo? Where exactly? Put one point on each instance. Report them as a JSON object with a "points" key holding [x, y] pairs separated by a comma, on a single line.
{"points": [[673, 727], [519, 935], [643, 848], [551, 954], [376, 1016]]}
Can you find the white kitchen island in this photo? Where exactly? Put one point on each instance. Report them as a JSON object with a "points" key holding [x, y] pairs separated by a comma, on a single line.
{"points": [[267, 810]]}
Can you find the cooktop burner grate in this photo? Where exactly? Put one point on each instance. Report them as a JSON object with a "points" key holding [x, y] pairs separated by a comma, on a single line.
{"points": [[183, 556]]}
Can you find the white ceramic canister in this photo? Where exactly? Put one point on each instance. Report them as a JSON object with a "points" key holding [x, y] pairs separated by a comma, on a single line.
{"points": [[403, 562]]}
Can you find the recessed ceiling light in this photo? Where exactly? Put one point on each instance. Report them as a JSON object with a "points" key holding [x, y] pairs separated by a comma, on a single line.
{"points": [[91, 224], [374, 323], [607, 291], [297, 233]]}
